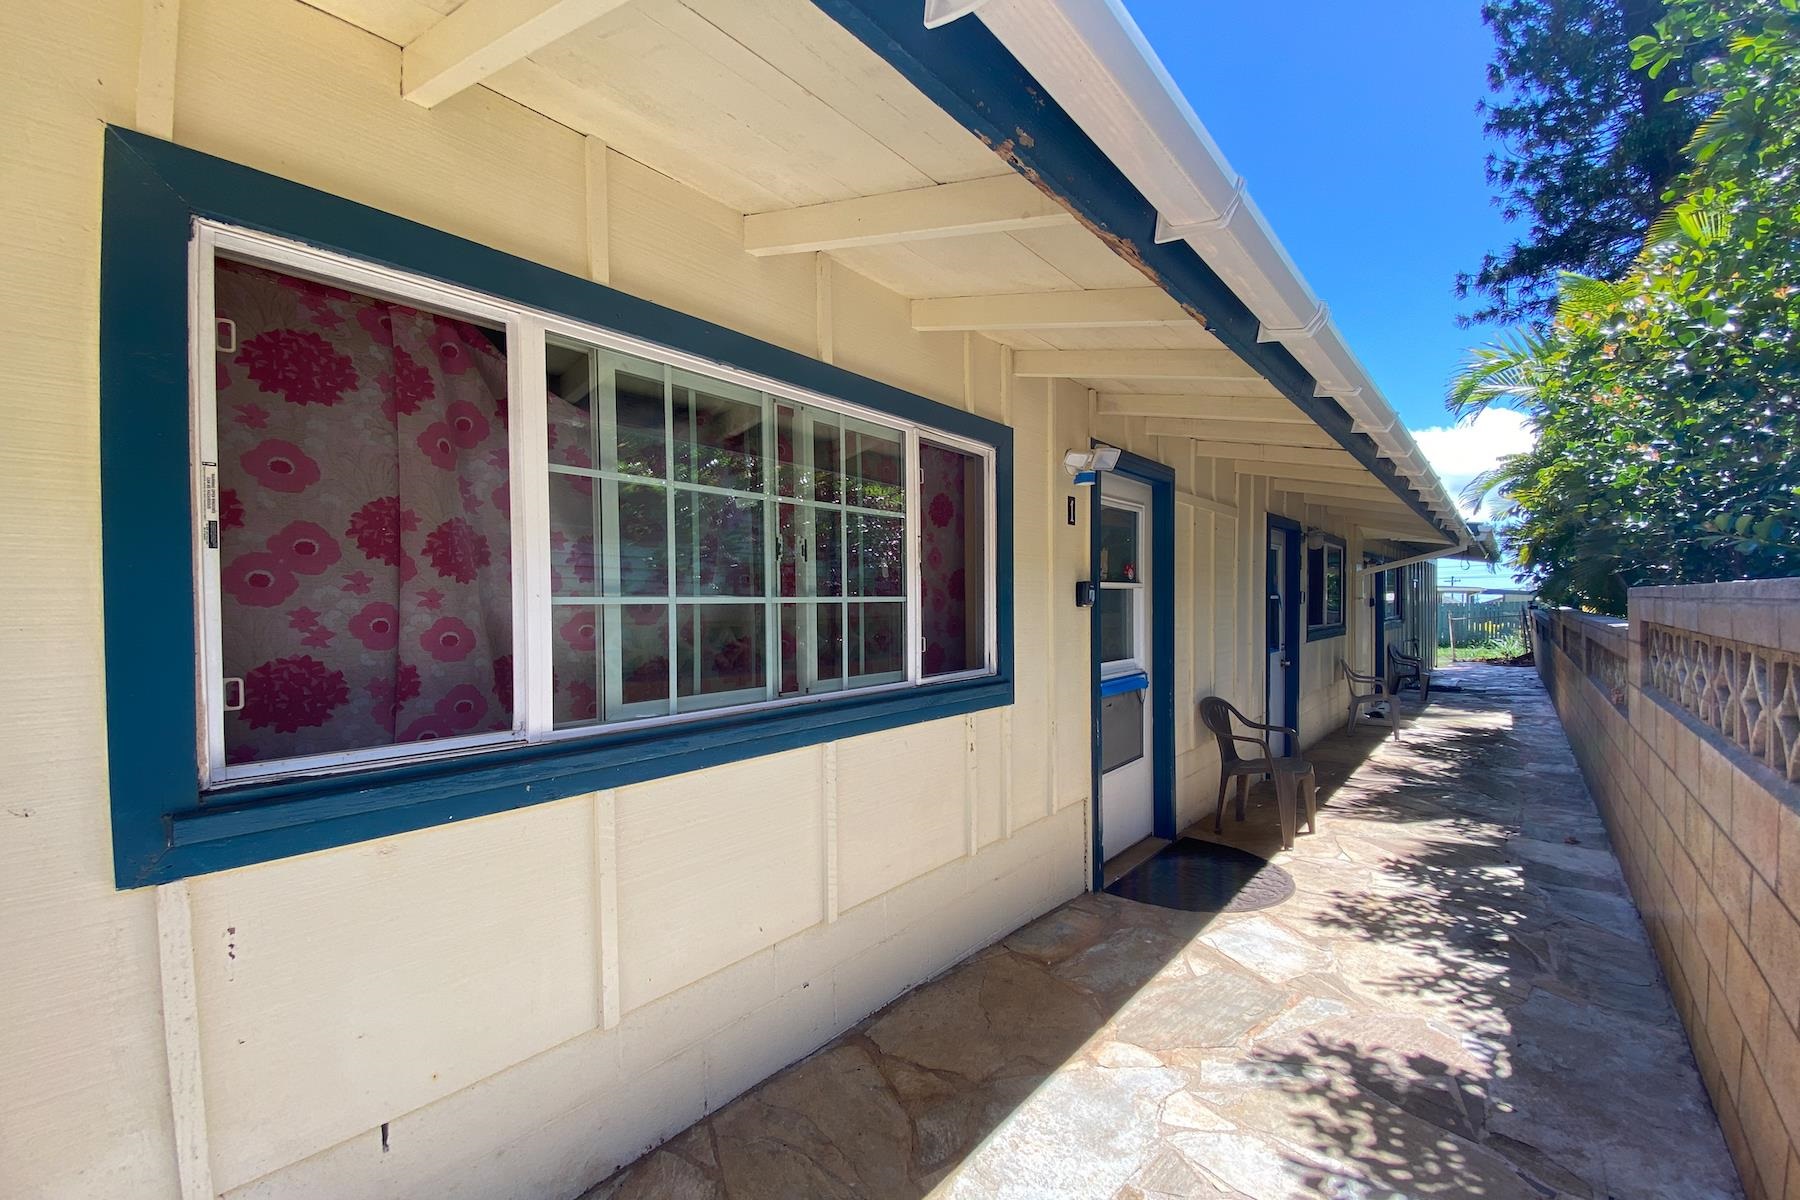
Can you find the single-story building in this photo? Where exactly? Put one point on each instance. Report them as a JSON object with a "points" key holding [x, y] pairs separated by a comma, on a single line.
{"points": [[563, 552]]}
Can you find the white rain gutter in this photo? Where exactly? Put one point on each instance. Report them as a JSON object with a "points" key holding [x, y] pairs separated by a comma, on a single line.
{"points": [[1094, 60]]}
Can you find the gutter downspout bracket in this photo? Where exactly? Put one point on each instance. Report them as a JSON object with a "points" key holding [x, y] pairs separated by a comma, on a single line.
{"points": [[1320, 318], [1179, 231], [942, 12]]}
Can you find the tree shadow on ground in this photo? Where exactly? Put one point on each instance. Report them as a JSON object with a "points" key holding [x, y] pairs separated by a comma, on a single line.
{"points": [[1115, 1050]]}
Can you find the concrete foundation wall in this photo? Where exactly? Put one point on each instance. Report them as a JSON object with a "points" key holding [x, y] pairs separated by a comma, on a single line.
{"points": [[1686, 724]]}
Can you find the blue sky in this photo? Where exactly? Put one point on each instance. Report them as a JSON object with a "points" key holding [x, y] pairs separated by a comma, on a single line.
{"points": [[1355, 125]]}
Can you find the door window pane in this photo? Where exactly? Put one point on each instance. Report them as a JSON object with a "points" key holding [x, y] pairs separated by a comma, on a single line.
{"points": [[1118, 544], [953, 554], [1118, 624], [364, 546]]}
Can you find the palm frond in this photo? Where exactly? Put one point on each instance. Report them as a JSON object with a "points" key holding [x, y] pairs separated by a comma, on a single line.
{"points": [[1584, 302], [1498, 373]]}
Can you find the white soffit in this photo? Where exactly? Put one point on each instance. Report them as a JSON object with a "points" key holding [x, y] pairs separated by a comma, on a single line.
{"points": [[1094, 60]]}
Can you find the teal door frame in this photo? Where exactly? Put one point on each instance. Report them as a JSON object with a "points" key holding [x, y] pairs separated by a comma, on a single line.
{"points": [[1160, 479], [1285, 596]]}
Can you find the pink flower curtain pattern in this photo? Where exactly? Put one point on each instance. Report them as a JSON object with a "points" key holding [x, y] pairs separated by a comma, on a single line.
{"points": [[952, 576], [365, 557]]}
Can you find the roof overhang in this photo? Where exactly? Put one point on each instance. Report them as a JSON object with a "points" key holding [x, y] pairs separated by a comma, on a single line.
{"points": [[1070, 93]]}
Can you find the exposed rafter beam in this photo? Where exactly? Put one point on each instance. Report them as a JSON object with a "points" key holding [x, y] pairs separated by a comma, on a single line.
{"points": [[1255, 433], [1225, 388], [1339, 496], [1262, 452], [997, 205], [1363, 511], [1132, 364], [1354, 475], [486, 36], [1379, 533], [1230, 408], [1392, 522], [1311, 456], [1109, 308]]}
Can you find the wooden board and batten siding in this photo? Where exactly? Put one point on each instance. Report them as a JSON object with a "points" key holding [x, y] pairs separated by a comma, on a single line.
{"points": [[517, 1003]]}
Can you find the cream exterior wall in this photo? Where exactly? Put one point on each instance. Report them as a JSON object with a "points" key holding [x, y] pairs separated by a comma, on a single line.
{"points": [[520, 1002]]}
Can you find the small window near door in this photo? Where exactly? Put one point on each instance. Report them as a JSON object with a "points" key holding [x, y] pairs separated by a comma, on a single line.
{"points": [[1324, 591], [1392, 597]]}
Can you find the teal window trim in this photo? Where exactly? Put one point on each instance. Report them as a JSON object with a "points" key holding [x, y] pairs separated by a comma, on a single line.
{"points": [[1338, 628], [164, 826]]}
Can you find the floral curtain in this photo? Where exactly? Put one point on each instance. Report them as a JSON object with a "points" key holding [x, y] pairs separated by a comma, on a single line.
{"points": [[950, 582], [365, 558]]}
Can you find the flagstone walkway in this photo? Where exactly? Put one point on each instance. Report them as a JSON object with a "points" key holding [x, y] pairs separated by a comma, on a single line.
{"points": [[1458, 1001]]}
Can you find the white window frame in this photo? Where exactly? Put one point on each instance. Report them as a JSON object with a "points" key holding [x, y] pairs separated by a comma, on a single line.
{"points": [[528, 447], [1139, 589]]}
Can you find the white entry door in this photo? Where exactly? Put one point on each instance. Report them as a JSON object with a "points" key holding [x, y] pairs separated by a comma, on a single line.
{"points": [[1281, 591], [1127, 780]]}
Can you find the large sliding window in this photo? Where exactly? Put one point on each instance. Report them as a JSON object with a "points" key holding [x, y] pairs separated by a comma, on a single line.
{"points": [[435, 522]]}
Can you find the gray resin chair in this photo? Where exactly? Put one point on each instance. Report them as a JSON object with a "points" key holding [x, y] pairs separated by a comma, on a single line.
{"points": [[1370, 697], [1293, 775], [1403, 669]]}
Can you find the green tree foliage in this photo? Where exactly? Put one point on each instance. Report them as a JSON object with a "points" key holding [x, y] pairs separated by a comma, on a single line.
{"points": [[1667, 404], [1588, 145]]}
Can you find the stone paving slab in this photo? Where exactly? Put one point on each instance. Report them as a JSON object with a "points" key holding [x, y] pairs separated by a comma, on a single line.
{"points": [[1459, 1001]]}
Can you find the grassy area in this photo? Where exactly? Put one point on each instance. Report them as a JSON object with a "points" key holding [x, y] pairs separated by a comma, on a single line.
{"points": [[1498, 648]]}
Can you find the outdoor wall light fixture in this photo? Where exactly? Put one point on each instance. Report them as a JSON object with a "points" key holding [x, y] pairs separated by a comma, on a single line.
{"points": [[1086, 465]]}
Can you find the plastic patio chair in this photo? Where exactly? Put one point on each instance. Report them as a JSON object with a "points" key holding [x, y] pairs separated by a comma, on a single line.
{"points": [[1370, 698], [1293, 774], [1403, 669]]}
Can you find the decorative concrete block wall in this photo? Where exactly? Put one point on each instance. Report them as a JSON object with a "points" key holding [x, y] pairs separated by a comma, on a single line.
{"points": [[1686, 721]]}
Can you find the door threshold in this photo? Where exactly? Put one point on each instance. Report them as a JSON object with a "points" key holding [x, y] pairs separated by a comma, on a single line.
{"points": [[1126, 859]]}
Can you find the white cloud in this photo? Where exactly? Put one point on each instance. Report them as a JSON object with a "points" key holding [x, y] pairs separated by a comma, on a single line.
{"points": [[1458, 453]]}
